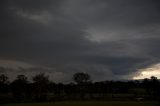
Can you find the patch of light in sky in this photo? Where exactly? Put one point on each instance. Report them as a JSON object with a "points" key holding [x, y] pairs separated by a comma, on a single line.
{"points": [[153, 70]]}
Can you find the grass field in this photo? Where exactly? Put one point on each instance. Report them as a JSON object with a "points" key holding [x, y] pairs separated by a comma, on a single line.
{"points": [[93, 103]]}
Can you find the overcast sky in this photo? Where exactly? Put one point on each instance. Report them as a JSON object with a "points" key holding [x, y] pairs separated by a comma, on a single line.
{"points": [[108, 39]]}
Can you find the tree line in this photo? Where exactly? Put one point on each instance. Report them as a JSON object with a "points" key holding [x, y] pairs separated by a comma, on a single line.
{"points": [[41, 89]]}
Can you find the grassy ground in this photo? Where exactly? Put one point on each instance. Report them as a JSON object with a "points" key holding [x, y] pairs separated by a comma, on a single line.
{"points": [[93, 103]]}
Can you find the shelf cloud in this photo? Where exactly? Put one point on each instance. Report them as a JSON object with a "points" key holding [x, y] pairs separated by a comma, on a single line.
{"points": [[108, 39]]}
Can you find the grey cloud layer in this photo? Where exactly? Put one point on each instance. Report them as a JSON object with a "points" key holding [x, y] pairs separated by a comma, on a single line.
{"points": [[109, 39]]}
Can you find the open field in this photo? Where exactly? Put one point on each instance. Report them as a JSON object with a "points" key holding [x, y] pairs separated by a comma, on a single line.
{"points": [[110, 103]]}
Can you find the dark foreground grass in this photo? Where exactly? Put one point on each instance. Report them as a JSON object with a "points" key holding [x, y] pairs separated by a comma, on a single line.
{"points": [[91, 103]]}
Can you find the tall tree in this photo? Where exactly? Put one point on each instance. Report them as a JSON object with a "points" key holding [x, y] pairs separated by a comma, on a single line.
{"points": [[19, 87], [155, 86], [40, 85], [82, 80]]}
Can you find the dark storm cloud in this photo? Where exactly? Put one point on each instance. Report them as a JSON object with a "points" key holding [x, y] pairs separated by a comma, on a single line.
{"points": [[109, 39]]}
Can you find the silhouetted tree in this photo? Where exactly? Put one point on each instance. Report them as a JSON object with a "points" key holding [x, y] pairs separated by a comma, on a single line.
{"points": [[4, 83], [3, 79], [155, 86], [80, 78], [19, 87], [40, 85]]}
